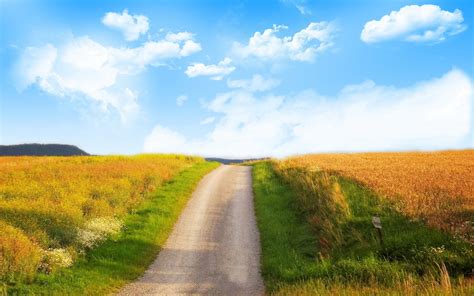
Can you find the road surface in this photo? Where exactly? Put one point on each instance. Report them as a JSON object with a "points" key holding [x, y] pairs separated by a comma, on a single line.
{"points": [[214, 248]]}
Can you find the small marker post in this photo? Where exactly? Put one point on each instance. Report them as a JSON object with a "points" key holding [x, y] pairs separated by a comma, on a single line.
{"points": [[378, 227]]}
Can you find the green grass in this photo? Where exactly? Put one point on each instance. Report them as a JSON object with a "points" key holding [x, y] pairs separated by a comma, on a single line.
{"points": [[410, 261], [288, 246], [125, 257]]}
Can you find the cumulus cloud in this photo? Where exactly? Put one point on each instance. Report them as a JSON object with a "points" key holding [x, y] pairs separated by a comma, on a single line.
{"points": [[180, 36], [36, 62], [154, 53], [434, 114], [83, 68], [181, 100], [131, 26], [216, 72], [425, 23], [303, 46], [189, 46], [255, 84]]}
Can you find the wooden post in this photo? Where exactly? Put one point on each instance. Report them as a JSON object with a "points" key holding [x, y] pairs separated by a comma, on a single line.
{"points": [[378, 227]]}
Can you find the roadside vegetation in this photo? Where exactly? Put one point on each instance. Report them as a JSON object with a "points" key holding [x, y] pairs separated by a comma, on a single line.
{"points": [[318, 239], [88, 225]]}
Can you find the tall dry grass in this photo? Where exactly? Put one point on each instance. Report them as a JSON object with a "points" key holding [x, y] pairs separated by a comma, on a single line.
{"points": [[317, 239], [53, 208], [320, 199], [408, 287], [436, 187]]}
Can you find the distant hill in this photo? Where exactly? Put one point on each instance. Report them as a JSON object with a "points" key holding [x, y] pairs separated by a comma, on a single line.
{"points": [[229, 161], [40, 150]]}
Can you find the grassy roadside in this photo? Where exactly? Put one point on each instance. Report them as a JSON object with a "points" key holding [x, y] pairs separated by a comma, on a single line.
{"points": [[126, 256], [295, 261]]}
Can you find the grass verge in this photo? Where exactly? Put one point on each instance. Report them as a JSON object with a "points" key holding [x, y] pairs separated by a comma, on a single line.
{"points": [[123, 258], [294, 261]]}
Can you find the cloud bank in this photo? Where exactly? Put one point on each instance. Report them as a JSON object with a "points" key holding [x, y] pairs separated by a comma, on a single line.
{"points": [[303, 46], [82, 68], [131, 26], [434, 114], [425, 23]]}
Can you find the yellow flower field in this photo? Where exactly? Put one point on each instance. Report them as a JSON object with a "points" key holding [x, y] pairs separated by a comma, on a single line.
{"points": [[436, 187], [54, 208]]}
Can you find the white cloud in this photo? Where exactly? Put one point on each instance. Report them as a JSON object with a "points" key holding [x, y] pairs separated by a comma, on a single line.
{"points": [[154, 53], [180, 36], [425, 23], [216, 72], [132, 26], [84, 68], [303, 46], [208, 120], [302, 9], [434, 114], [36, 62], [189, 47], [300, 5], [164, 140], [255, 84], [181, 100]]}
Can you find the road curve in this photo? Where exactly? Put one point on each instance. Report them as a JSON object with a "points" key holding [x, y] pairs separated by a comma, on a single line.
{"points": [[214, 248]]}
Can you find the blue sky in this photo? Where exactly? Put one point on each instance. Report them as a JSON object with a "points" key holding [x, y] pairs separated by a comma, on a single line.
{"points": [[253, 78]]}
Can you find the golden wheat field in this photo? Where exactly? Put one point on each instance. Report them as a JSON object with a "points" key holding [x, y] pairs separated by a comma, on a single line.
{"points": [[436, 187], [53, 208]]}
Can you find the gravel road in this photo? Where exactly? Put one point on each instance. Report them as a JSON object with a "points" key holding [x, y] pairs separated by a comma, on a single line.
{"points": [[214, 248]]}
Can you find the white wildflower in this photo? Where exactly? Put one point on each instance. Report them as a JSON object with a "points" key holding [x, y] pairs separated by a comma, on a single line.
{"points": [[55, 258], [97, 230]]}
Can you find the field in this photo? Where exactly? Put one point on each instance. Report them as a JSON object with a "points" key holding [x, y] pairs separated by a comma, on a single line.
{"points": [[90, 224], [436, 188], [314, 214], [56, 212]]}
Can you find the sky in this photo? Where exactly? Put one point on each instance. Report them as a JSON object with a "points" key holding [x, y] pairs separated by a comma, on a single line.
{"points": [[238, 79]]}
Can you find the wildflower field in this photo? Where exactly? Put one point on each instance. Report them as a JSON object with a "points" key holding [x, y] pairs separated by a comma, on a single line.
{"points": [[54, 210]]}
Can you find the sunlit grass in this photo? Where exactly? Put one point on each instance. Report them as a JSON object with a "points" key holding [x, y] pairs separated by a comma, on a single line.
{"points": [[317, 239], [126, 256], [435, 187], [59, 211]]}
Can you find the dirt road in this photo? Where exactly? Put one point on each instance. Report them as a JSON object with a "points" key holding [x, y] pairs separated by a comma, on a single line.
{"points": [[214, 247]]}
